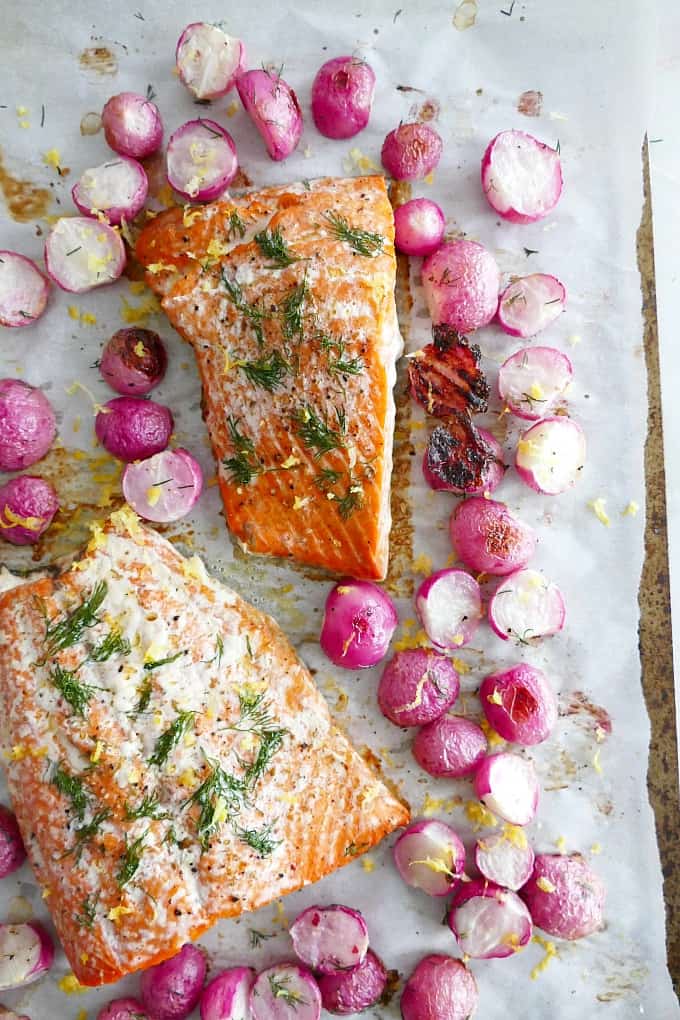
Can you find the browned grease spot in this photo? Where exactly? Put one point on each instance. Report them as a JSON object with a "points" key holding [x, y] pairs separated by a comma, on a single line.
{"points": [[99, 59], [154, 166], [429, 110], [580, 704], [25, 201], [242, 180], [530, 103], [90, 123]]}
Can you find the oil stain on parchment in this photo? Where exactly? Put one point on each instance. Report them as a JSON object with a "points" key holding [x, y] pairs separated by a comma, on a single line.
{"points": [[465, 15], [99, 60], [90, 123], [25, 201], [530, 103]]}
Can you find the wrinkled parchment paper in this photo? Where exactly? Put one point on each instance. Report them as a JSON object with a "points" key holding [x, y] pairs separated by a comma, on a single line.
{"points": [[591, 63]]}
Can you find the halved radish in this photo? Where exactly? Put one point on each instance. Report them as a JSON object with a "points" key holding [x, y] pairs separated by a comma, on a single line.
{"points": [[449, 604], [434, 469], [353, 991], [565, 897], [486, 537], [227, 996], [201, 159], [487, 921], [451, 746], [430, 856], [521, 177], [525, 607], [163, 487], [505, 858], [551, 454], [519, 704], [440, 988], [81, 253], [26, 953], [329, 939], [273, 108], [23, 290], [285, 992], [117, 188], [132, 125], [531, 303], [507, 784], [531, 381], [208, 60]]}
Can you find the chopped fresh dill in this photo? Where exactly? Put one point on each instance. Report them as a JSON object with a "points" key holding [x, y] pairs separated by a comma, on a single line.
{"points": [[258, 937], [273, 244], [317, 433], [86, 833], [88, 912], [270, 743], [156, 663], [252, 312], [327, 478], [267, 372], [346, 366], [68, 631], [280, 990], [352, 500], [171, 737], [293, 308], [113, 644], [131, 860], [528, 399], [144, 690], [72, 787], [72, 690], [219, 797], [363, 242], [254, 711], [259, 840], [248, 646], [352, 849], [236, 225], [243, 464], [170, 837], [148, 807]]}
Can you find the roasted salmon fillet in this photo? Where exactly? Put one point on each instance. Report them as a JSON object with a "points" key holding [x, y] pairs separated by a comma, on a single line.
{"points": [[170, 760], [287, 297]]}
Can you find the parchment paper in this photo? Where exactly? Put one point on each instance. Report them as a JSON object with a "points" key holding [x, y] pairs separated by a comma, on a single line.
{"points": [[591, 62]]}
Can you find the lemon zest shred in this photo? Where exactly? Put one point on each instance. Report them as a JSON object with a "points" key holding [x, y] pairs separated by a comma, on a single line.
{"points": [[550, 952], [70, 985], [598, 507], [479, 816], [631, 509], [545, 885], [368, 864]]}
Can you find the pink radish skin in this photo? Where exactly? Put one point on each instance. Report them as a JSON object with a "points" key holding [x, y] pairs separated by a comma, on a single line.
{"points": [[227, 996], [358, 624], [461, 281], [171, 990], [12, 851], [9, 1014], [507, 784], [27, 507], [201, 160], [487, 538], [118, 189], [489, 922], [132, 429], [329, 939], [417, 686], [418, 227], [164, 487], [521, 177], [532, 380], [551, 455], [564, 896], [505, 861], [354, 991], [285, 992], [449, 604], [342, 96], [27, 425], [526, 607], [411, 152], [440, 988], [82, 253], [23, 290], [132, 125], [492, 477], [451, 746], [208, 60], [519, 704], [530, 304], [133, 361], [123, 1009], [26, 953], [430, 856], [273, 108]]}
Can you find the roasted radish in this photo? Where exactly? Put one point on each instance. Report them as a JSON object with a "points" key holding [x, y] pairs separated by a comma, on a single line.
{"points": [[342, 96], [564, 896], [123, 1009], [411, 152], [451, 746], [27, 506], [12, 851], [133, 361], [285, 992], [532, 380], [170, 990], [449, 604], [418, 227], [507, 784], [488, 922], [201, 160], [505, 858], [353, 991], [81, 253], [164, 487], [132, 125], [26, 953], [273, 108], [227, 996], [526, 607], [131, 428], [417, 686], [519, 704], [440, 988], [530, 304], [521, 177], [442, 470], [445, 376], [461, 281], [27, 425], [208, 60], [118, 189], [430, 856], [23, 290], [551, 454], [358, 624], [487, 538], [329, 939]]}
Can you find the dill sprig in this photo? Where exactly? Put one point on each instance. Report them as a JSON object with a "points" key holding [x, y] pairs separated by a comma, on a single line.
{"points": [[148, 807], [327, 478], [171, 737], [280, 990], [259, 840], [353, 499], [316, 433], [255, 712], [68, 631], [86, 833], [267, 372], [72, 690], [130, 860], [258, 937], [273, 244], [346, 366], [252, 312], [72, 787], [243, 465], [148, 667], [219, 797], [363, 242], [144, 690], [293, 310], [88, 912], [270, 743], [113, 644], [236, 225]]}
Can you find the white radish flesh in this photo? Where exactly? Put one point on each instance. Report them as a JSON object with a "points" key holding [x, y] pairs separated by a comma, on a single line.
{"points": [[285, 992], [328, 939], [418, 227], [451, 746], [530, 304], [81, 253], [417, 686], [461, 281], [492, 476], [505, 857], [273, 108], [430, 856], [164, 487], [508, 786], [519, 704], [487, 538], [26, 953], [489, 922], [440, 988], [23, 290], [525, 607], [353, 991], [532, 380], [521, 177], [208, 60], [227, 996], [551, 455], [201, 160], [449, 604], [564, 896], [132, 125], [117, 188]]}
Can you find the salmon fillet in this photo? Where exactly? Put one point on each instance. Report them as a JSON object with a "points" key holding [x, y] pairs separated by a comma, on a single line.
{"points": [[287, 297], [169, 759]]}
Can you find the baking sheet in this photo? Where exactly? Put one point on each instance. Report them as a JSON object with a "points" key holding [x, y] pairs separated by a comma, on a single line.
{"points": [[70, 58]]}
